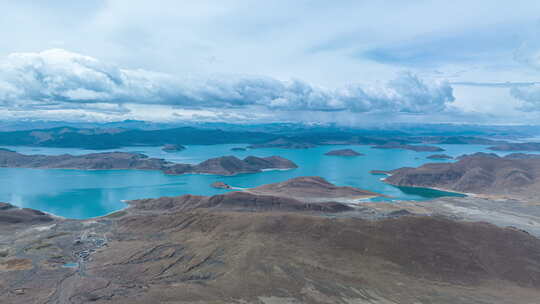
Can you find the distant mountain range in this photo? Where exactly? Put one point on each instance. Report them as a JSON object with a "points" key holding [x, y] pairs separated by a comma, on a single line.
{"points": [[276, 137]]}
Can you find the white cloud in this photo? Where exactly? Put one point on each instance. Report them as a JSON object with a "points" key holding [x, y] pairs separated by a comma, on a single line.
{"points": [[58, 78], [529, 95]]}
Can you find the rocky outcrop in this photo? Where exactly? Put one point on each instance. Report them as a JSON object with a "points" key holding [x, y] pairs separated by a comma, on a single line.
{"points": [[231, 165], [480, 173], [343, 152], [416, 148]]}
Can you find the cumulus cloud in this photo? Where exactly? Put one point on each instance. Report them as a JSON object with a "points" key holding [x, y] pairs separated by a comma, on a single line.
{"points": [[57, 76], [61, 79], [529, 95]]}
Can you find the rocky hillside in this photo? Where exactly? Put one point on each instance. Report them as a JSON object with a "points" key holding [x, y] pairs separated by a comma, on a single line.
{"points": [[248, 248], [477, 173]]}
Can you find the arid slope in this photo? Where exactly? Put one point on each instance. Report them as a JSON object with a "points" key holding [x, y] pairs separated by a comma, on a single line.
{"points": [[479, 173]]}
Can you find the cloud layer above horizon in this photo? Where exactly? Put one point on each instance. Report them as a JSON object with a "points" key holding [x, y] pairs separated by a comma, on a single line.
{"points": [[57, 78], [249, 60]]}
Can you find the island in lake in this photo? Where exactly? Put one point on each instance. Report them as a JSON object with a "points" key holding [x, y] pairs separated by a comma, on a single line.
{"points": [[343, 152], [226, 165], [173, 148]]}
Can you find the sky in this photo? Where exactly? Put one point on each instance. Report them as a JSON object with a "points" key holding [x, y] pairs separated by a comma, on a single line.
{"points": [[240, 61]]}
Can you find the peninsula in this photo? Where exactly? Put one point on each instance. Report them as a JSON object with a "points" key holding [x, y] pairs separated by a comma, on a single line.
{"points": [[312, 188], [479, 173]]}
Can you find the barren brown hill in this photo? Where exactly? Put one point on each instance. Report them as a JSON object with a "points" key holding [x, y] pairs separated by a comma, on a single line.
{"points": [[238, 201], [194, 250], [478, 173], [109, 160], [10, 215]]}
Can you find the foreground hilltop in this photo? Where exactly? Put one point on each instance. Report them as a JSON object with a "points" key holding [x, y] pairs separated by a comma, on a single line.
{"points": [[482, 173], [243, 247], [307, 193], [227, 165]]}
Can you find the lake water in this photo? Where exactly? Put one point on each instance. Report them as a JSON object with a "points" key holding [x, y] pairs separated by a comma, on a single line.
{"points": [[85, 194]]}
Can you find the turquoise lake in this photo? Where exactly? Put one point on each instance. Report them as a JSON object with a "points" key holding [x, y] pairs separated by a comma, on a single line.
{"points": [[85, 194]]}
